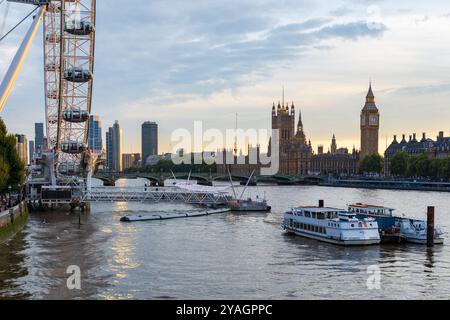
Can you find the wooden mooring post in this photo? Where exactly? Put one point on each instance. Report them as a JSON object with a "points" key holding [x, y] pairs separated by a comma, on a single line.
{"points": [[430, 227]]}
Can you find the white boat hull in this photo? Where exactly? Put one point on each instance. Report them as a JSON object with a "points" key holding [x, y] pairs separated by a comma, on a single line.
{"points": [[415, 231], [356, 242]]}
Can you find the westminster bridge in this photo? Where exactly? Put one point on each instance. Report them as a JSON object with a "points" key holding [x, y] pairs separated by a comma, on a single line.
{"points": [[109, 178]]}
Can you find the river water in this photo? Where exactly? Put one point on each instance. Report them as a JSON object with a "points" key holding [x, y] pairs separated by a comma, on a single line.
{"points": [[227, 256]]}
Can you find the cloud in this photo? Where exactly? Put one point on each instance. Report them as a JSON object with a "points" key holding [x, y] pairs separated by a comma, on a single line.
{"points": [[205, 65], [161, 58], [437, 88], [341, 11]]}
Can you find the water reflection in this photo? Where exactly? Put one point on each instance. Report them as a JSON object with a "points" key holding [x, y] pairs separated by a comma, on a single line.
{"points": [[12, 267], [225, 256]]}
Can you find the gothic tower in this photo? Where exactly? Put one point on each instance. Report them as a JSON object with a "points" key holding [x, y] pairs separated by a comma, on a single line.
{"points": [[283, 119], [333, 145], [370, 126]]}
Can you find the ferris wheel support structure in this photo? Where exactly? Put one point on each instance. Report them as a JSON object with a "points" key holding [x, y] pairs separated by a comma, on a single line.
{"points": [[69, 46], [16, 65]]}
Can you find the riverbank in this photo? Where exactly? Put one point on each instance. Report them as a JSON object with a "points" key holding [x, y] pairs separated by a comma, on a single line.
{"points": [[12, 221], [389, 185]]}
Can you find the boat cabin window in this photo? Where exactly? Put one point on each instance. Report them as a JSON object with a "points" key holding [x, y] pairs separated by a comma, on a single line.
{"points": [[321, 215], [307, 214]]}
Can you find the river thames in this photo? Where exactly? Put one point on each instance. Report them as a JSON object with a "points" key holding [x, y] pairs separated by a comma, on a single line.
{"points": [[227, 256]]}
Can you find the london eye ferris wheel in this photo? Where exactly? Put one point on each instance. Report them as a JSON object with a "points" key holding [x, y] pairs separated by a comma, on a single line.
{"points": [[68, 43]]}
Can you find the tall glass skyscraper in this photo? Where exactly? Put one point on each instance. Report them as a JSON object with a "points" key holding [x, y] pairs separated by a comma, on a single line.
{"points": [[95, 141], [31, 151], [149, 140], [114, 147], [39, 136], [22, 147]]}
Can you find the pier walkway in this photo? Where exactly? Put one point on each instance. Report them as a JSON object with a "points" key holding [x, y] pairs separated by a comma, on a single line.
{"points": [[153, 194]]}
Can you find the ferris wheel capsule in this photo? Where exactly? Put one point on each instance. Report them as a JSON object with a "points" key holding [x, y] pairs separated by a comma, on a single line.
{"points": [[83, 29], [52, 94], [73, 147], [75, 115], [52, 67], [69, 169], [52, 38], [77, 75], [53, 7]]}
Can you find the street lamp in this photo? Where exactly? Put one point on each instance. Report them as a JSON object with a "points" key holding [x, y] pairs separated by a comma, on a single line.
{"points": [[9, 195]]}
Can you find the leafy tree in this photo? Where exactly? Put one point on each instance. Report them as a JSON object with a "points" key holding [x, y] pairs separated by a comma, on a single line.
{"points": [[423, 166], [372, 164], [438, 168], [399, 163], [411, 171], [419, 166], [8, 151], [3, 131], [4, 174], [446, 168]]}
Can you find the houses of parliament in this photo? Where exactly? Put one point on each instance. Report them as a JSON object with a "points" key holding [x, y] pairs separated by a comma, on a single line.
{"points": [[296, 155]]}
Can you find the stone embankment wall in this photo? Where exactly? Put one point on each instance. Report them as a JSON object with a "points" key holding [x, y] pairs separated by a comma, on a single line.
{"points": [[12, 220]]}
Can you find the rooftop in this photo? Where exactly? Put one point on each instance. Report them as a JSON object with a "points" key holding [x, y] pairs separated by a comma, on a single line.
{"points": [[368, 206], [320, 209]]}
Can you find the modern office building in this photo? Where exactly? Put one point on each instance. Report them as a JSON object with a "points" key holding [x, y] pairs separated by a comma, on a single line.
{"points": [[22, 147], [130, 160], [109, 149], [149, 140], [114, 148], [39, 136], [95, 141], [31, 151]]}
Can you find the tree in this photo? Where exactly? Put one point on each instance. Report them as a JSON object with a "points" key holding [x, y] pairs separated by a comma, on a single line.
{"points": [[8, 151], [399, 163], [419, 166], [4, 174], [437, 168], [3, 131], [423, 166], [446, 168], [372, 164]]}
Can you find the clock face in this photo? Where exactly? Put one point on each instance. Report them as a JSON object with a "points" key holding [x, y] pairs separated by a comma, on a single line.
{"points": [[373, 120], [363, 120]]}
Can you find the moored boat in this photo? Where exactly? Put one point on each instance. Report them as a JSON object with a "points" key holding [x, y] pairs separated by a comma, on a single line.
{"points": [[388, 228], [249, 205], [395, 228], [331, 225], [415, 231]]}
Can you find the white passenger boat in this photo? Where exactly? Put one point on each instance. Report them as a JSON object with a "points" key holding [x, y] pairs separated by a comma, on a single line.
{"points": [[331, 225], [415, 231], [172, 215]]}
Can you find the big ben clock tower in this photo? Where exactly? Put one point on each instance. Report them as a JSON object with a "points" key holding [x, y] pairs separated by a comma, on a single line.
{"points": [[370, 126]]}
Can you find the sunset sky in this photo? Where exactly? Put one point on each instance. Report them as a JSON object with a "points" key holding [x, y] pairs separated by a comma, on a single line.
{"points": [[175, 62]]}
